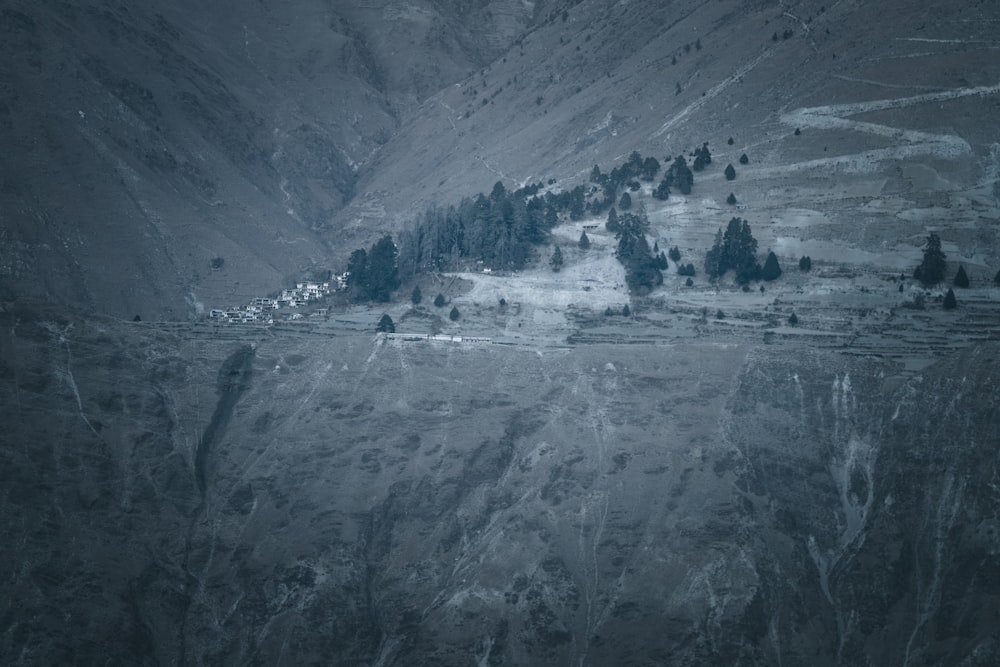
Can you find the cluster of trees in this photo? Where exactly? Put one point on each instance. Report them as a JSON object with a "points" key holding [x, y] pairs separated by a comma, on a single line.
{"points": [[498, 230], [642, 267], [627, 175], [736, 250], [373, 275], [680, 176]]}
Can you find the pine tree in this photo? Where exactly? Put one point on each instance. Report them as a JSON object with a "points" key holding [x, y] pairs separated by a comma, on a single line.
{"points": [[416, 297], [674, 254], [931, 269], [584, 241], [961, 279], [439, 300], [771, 270], [612, 223], [730, 141], [996, 279], [662, 191], [626, 311], [625, 203], [731, 199], [950, 303], [744, 159], [556, 261], [454, 314], [793, 319], [805, 263], [730, 172], [386, 324]]}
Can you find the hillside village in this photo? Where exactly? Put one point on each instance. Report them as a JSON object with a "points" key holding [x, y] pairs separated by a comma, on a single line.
{"points": [[261, 310]]}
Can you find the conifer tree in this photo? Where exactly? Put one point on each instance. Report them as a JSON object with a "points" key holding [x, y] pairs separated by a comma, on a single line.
{"points": [[416, 296], [386, 324], [439, 300], [556, 261], [454, 314], [584, 241], [730, 172], [950, 303], [771, 270], [931, 269], [961, 279]]}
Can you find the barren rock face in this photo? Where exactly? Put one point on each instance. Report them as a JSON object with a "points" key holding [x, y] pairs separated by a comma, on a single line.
{"points": [[186, 496]]}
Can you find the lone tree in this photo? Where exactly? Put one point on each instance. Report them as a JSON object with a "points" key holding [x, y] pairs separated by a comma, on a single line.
{"points": [[584, 242], [961, 279], [556, 261], [931, 269], [805, 263], [439, 300], [771, 270], [454, 314], [793, 319], [416, 297], [950, 303], [744, 159], [731, 199], [730, 172], [386, 325]]}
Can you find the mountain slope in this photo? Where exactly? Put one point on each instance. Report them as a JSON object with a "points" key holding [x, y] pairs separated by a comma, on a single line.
{"points": [[233, 497], [143, 142]]}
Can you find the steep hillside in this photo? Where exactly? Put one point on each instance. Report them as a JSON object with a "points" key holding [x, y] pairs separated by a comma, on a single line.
{"points": [[862, 133], [200, 495], [142, 142]]}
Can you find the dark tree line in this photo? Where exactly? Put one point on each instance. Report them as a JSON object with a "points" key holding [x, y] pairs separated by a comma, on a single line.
{"points": [[498, 230], [373, 275]]}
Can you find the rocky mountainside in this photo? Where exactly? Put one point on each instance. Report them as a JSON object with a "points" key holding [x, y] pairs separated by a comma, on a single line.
{"points": [[219, 496]]}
